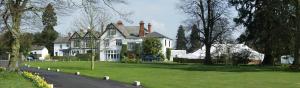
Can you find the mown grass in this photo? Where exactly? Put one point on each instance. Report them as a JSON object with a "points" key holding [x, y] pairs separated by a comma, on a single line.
{"points": [[164, 75], [14, 80]]}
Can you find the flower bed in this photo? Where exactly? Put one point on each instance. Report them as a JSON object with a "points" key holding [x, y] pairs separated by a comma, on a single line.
{"points": [[40, 82]]}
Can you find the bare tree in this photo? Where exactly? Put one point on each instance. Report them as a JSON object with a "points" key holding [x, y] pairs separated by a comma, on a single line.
{"points": [[13, 13], [210, 17]]}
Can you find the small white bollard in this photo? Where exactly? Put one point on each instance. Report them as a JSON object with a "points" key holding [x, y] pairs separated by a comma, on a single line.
{"points": [[77, 73], [57, 70], [106, 77], [48, 69], [137, 83], [51, 85], [38, 68]]}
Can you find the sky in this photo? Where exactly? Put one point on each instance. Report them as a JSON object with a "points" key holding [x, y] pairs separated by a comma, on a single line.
{"points": [[164, 16]]}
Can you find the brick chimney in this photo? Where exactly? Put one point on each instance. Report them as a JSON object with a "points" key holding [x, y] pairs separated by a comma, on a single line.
{"points": [[149, 28], [142, 31], [69, 34], [120, 23]]}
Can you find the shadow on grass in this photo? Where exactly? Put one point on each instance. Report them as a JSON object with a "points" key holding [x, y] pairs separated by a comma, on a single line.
{"points": [[219, 67]]}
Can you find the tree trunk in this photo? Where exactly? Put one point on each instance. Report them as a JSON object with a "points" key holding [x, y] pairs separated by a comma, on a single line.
{"points": [[15, 45], [207, 59], [268, 59]]}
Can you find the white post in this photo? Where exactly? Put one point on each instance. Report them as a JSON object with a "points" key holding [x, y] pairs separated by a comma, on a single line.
{"points": [[137, 83], [77, 73], [106, 78]]}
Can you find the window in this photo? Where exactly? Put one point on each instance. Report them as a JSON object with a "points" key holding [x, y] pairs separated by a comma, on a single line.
{"points": [[130, 46], [106, 42], [165, 42], [88, 43], [112, 54], [119, 42], [60, 46], [112, 32], [67, 45], [77, 43], [169, 43]]}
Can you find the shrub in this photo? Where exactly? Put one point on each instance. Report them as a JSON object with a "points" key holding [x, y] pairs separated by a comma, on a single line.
{"points": [[2, 69], [123, 52], [83, 57], [48, 57], [151, 46], [161, 57], [241, 57], [168, 53], [128, 60], [37, 80], [183, 60]]}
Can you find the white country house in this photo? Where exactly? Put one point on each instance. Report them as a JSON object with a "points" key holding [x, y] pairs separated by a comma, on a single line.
{"points": [[40, 52], [108, 44], [115, 35], [61, 46]]}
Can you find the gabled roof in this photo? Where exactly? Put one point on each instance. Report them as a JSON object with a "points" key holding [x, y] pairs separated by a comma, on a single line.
{"points": [[75, 35], [126, 31], [37, 47], [62, 40], [156, 35], [92, 33]]}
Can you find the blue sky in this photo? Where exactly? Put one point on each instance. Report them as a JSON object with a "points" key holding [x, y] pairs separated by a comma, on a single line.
{"points": [[162, 14]]}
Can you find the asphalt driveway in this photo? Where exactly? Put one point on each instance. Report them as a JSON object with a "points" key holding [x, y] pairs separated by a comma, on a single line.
{"points": [[63, 80]]}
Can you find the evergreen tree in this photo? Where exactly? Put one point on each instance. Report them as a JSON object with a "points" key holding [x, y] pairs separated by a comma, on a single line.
{"points": [[195, 39], [181, 40], [49, 35], [269, 26]]}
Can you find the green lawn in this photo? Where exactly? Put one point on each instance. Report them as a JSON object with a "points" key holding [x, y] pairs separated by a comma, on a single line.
{"points": [[14, 80], [184, 75]]}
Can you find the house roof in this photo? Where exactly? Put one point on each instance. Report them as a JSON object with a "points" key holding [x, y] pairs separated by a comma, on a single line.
{"points": [[62, 40], [156, 35], [131, 32], [92, 33], [37, 47]]}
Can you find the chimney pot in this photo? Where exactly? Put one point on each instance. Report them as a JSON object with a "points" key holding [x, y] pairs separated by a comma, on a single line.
{"points": [[149, 28], [120, 23], [69, 34], [142, 31]]}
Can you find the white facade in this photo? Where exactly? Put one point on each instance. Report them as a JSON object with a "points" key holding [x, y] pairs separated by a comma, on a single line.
{"points": [[111, 45], [42, 53], [59, 47], [166, 43]]}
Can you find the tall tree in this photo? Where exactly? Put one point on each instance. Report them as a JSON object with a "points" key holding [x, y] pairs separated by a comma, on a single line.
{"points": [[181, 40], [209, 15], [195, 39], [265, 21], [14, 11], [49, 35], [297, 33]]}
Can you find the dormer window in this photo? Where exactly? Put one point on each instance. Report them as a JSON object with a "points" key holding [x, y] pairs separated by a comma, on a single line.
{"points": [[112, 32]]}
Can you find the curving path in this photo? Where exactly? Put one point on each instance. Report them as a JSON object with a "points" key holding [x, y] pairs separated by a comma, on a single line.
{"points": [[63, 80]]}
